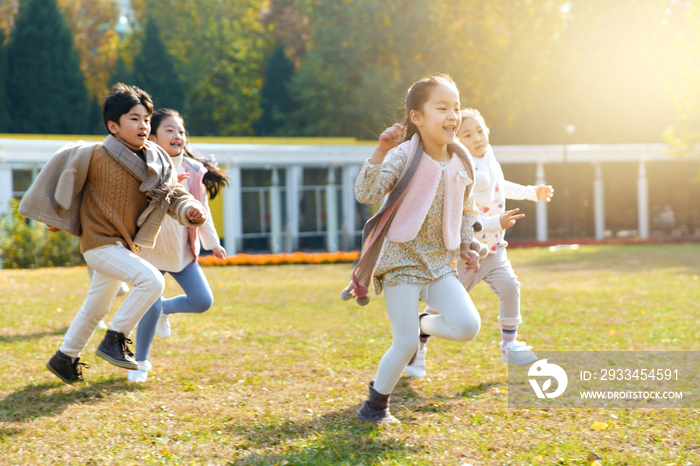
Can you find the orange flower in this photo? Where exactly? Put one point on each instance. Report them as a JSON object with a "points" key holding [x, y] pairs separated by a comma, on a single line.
{"points": [[283, 258]]}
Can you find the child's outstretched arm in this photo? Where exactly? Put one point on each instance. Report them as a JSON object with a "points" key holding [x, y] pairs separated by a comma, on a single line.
{"points": [[517, 191], [380, 172], [544, 192]]}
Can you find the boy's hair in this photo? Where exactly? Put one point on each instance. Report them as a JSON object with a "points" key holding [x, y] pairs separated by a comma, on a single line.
{"points": [[215, 178], [121, 99], [474, 113], [418, 94]]}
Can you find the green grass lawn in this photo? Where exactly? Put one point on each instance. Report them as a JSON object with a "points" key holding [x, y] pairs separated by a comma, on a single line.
{"points": [[275, 372]]}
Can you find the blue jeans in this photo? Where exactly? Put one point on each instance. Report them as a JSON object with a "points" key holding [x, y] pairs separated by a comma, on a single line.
{"points": [[197, 299]]}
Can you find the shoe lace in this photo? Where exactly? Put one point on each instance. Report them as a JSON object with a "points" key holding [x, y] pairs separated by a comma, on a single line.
{"points": [[122, 344], [78, 369]]}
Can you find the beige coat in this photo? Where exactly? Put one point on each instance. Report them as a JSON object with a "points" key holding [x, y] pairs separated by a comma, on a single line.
{"points": [[56, 197]]}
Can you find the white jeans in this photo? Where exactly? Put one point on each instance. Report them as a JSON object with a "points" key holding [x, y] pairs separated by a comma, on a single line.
{"points": [[113, 264], [457, 320]]}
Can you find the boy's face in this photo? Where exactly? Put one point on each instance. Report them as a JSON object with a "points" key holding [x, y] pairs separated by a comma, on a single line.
{"points": [[474, 137], [133, 126]]}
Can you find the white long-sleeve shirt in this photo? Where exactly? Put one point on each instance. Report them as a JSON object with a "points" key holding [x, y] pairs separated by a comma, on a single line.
{"points": [[173, 251], [490, 193]]}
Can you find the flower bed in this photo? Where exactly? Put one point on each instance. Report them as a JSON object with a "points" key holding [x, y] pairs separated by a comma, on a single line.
{"points": [[277, 259], [352, 256]]}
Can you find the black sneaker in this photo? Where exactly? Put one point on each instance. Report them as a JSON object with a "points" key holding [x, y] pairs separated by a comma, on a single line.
{"points": [[65, 369], [114, 350]]}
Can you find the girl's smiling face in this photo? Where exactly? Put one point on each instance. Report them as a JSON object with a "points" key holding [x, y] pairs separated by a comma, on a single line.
{"points": [[171, 136], [439, 119], [474, 137]]}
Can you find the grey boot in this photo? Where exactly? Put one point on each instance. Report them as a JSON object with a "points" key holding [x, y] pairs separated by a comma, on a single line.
{"points": [[376, 408]]}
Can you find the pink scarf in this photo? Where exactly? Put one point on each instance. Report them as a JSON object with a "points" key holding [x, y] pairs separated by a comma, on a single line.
{"points": [[195, 184]]}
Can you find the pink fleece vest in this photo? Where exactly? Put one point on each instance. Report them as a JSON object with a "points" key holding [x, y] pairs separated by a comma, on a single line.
{"points": [[195, 184], [414, 208]]}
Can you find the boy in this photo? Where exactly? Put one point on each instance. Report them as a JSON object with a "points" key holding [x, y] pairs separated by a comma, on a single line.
{"points": [[114, 196]]}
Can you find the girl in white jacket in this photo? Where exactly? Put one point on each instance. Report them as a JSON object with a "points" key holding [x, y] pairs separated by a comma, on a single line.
{"points": [[177, 249], [490, 192]]}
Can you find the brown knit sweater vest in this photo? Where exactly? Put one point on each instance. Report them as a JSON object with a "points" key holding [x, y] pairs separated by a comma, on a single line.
{"points": [[111, 204]]}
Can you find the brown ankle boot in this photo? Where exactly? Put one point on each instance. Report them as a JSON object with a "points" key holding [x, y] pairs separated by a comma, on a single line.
{"points": [[376, 408]]}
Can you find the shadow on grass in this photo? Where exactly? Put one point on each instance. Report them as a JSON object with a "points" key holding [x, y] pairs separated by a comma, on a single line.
{"points": [[335, 438], [338, 438], [48, 399], [32, 336]]}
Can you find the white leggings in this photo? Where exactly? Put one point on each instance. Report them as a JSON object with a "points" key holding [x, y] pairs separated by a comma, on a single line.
{"points": [[457, 320]]}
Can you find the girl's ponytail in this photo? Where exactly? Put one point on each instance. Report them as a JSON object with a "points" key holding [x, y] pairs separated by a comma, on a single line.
{"points": [[416, 97], [215, 179]]}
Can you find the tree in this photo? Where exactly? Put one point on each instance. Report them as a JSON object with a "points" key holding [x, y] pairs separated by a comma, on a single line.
{"points": [[8, 11], [219, 47], [121, 73], [154, 71], [92, 23], [363, 55], [275, 100], [5, 122], [46, 88], [684, 135], [95, 122], [609, 74]]}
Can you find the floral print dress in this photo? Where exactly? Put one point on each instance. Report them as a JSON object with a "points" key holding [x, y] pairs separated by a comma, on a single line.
{"points": [[424, 259]]}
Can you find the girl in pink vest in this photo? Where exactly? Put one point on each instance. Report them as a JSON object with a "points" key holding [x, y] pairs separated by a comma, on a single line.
{"points": [[426, 222], [177, 249]]}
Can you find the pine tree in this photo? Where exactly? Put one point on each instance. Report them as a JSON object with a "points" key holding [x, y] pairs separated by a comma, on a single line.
{"points": [[121, 73], [46, 88], [5, 122], [95, 123], [276, 102], [154, 71]]}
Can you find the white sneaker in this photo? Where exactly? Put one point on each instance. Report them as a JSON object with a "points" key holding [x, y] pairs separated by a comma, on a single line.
{"points": [[141, 374], [102, 326], [163, 326], [416, 367], [516, 352]]}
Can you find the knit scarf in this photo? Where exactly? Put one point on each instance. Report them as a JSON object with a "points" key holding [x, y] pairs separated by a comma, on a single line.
{"points": [[155, 173]]}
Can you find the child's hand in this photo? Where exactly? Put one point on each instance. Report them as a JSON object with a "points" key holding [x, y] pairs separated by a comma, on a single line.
{"points": [[196, 215], [387, 141], [508, 218], [471, 258], [52, 229], [544, 193], [184, 176], [219, 252]]}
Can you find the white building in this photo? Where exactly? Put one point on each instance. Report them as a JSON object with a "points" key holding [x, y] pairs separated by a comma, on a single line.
{"points": [[289, 194]]}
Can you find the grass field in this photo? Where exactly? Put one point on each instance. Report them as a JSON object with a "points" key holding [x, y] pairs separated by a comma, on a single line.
{"points": [[274, 373]]}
